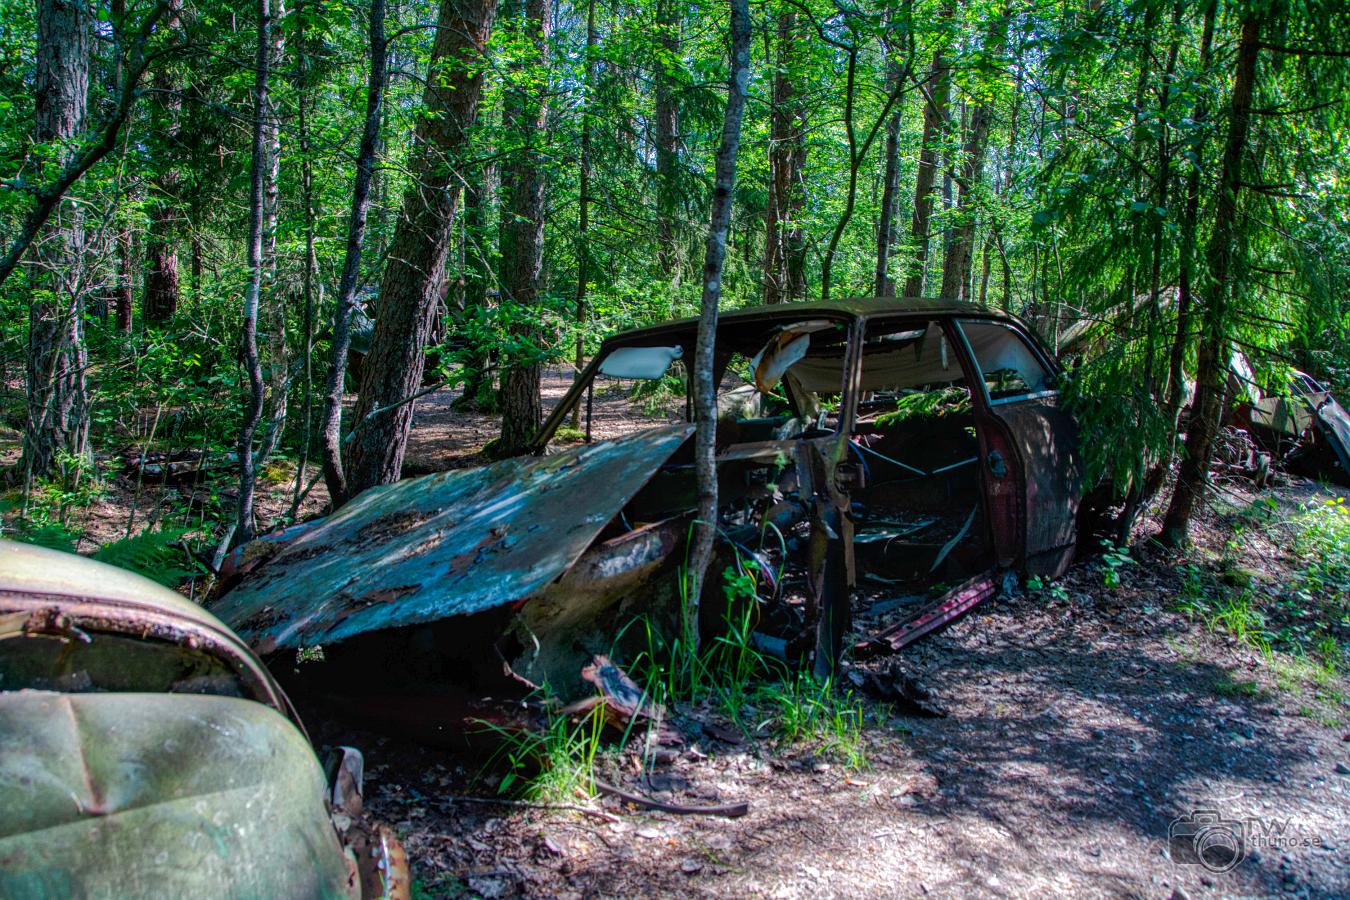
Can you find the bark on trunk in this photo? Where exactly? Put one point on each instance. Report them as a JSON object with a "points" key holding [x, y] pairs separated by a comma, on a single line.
{"points": [[253, 405], [784, 241], [161, 279], [122, 298], [956, 264], [57, 417], [330, 431], [934, 122], [1212, 362], [884, 284], [584, 203], [275, 293], [415, 272], [526, 114], [705, 392], [1176, 388], [667, 143]]}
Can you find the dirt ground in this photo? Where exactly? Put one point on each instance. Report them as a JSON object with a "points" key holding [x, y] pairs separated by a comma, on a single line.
{"points": [[1077, 729], [1079, 725]]}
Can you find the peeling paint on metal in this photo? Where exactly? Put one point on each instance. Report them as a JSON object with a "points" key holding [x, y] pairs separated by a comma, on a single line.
{"points": [[462, 542]]}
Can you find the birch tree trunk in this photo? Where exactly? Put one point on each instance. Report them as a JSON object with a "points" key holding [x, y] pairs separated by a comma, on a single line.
{"points": [[330, 431], [705, 391], [253, 407]]}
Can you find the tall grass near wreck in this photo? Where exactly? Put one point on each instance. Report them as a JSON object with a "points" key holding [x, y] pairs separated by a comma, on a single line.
{"points": [[766, 698]]}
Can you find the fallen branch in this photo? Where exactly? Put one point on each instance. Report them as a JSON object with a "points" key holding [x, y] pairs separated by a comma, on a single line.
{"points": [[730, 810], [526, 804]]}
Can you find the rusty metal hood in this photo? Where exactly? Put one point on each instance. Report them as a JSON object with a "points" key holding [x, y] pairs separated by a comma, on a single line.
{"points": [[445, 545], [29, 570]]}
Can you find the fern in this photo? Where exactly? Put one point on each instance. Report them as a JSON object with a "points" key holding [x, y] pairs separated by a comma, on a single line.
{"points": [[52, 536], [155, 554]]}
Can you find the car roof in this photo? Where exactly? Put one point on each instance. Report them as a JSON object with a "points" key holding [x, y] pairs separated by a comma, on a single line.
{"points": [[29, 569], [848, 308]]}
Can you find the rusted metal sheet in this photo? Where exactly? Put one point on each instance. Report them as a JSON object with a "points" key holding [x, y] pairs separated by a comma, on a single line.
{"points": [[445, 545], [947, 609]]}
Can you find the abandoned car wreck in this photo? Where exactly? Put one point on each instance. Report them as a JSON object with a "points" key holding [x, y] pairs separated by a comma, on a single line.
{"points": [[145, 751], [864, 449]]}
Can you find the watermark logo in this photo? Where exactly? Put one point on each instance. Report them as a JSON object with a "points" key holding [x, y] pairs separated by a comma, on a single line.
{"points": [[1205, 837]]}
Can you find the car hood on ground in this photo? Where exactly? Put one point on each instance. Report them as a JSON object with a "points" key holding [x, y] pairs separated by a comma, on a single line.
{"points": [[160, 795], [444, 545]]}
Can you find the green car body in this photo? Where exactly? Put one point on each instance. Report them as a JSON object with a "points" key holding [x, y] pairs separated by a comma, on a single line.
{"points": [[144, 751]]}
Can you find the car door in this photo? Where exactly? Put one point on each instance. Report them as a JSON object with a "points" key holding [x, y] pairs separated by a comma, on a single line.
{"points": [[1032, 469]]}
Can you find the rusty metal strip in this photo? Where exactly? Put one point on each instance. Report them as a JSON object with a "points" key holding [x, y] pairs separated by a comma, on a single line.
{"points": [[951, 606]]}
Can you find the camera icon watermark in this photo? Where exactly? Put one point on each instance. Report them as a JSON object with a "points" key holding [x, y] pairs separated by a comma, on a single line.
{"points": [[1203, 837], [1206, 837]]}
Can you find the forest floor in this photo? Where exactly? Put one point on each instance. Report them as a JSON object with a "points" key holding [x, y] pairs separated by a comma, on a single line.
{"points": [[1080, 722]]}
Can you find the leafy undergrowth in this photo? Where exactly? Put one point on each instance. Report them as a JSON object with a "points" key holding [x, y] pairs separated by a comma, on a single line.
{"points": [[1268, 573]]}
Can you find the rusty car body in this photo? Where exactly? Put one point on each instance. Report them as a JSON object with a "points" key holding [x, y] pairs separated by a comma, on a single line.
{"points": [[144, 750], [864, 448], [1302, 425]]}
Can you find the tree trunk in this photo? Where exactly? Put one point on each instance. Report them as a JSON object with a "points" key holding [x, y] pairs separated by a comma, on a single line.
{"points": [[888, 232], [584, 202], [667, 142], [934, 122], [57, 416], [480, 234], [956, 264], [161, 280], [1190, 217], [330, 431], [123, 294], [304, 57], [884, 284], [784, 242], [415, 271], [253, 406], [705, 392], [522, 258], [1212, 361], [277, 352]]}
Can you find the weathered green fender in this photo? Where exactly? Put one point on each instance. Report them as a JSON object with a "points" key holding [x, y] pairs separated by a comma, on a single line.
{"points": [[160, 795]]}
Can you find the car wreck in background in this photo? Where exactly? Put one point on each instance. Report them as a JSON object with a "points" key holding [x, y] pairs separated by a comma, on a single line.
{"points": [[1302, 426], [865, 449], [144, 750]]}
